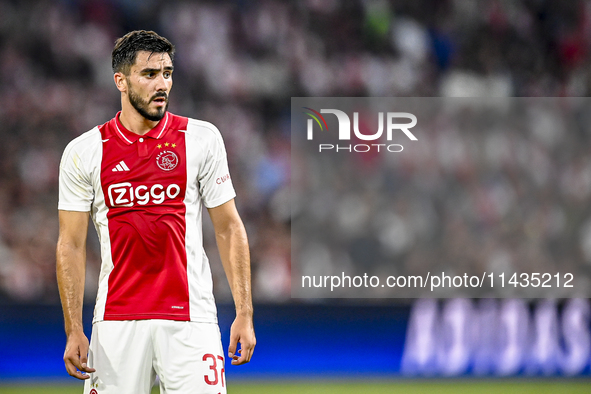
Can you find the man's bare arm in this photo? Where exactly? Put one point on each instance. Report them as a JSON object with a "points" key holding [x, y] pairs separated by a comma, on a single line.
{"points": [[233, 246], [71, 272]]}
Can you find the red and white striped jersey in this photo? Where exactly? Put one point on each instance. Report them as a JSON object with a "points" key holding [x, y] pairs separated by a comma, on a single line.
{"points": [[145, 194]]}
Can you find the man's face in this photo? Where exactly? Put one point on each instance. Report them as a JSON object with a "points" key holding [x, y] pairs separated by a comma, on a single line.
{"points": [[149, 83]]}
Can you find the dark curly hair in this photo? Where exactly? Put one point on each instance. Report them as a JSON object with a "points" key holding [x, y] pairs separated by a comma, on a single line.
{"points": [[127, 47]]}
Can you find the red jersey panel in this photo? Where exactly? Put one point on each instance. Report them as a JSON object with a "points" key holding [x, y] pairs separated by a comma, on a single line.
{"points": [[144, 182]]}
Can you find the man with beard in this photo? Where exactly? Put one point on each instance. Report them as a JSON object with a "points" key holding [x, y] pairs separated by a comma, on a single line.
{"points": [[142, 177]]}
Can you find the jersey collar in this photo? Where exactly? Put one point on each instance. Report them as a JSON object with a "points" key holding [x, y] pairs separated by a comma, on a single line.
{"points": [[129, 137]]}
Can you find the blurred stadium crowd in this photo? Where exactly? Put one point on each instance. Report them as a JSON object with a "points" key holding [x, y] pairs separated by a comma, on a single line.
{"points": [[237, 65]]}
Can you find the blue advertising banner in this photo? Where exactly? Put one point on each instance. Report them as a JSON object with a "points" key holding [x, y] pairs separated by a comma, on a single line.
{"points": [[430, 338]]}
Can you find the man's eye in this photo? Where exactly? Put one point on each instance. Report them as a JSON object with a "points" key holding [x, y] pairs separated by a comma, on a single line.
{"points": [[167, 75]]}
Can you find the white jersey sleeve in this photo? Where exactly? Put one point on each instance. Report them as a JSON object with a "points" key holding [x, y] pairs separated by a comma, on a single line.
{"points": [[215, 185], [76, 191]]}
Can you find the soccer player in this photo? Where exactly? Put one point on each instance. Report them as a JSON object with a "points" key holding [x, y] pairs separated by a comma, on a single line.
{"points": [[143, 176]]}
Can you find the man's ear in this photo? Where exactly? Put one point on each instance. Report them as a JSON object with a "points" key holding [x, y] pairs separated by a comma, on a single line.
{"points": [[120, 81]]}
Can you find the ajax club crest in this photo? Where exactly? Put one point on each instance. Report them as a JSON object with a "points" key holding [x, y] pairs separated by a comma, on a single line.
{"points": [[167, 160]]}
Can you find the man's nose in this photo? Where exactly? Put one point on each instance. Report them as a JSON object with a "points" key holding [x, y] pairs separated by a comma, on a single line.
{"points": [[162, 84]]}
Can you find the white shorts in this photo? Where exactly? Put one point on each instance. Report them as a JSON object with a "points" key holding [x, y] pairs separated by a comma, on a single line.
{"points": [[127, 355]]}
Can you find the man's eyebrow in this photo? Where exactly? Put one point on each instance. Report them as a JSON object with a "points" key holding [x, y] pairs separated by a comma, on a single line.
{"points": [[151, 70]]}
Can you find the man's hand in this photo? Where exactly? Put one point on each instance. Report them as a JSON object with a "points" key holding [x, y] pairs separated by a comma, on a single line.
{"points": [[75, 355], [242, 332]]}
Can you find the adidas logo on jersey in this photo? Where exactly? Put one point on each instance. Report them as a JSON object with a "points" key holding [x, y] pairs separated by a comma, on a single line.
{"points": [[121, 167]]}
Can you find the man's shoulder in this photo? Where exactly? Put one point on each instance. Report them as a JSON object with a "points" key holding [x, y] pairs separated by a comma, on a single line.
{"points": [[202, 130], [87, 140]]}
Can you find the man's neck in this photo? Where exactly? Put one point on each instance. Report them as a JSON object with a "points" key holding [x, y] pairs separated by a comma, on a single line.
{"points": [[134, 122]]}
